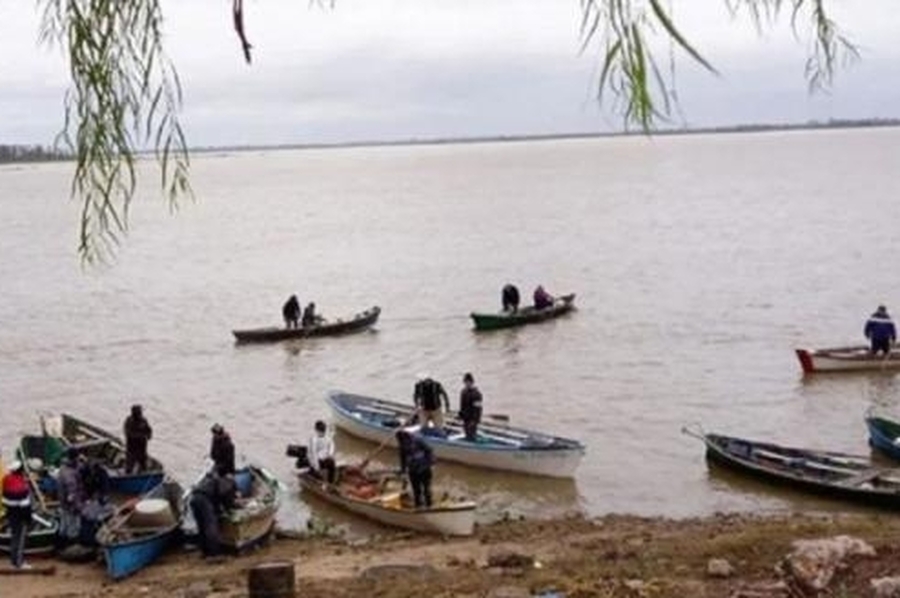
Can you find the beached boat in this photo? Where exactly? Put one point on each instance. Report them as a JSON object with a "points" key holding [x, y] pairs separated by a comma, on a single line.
{"points": [[141, 530], [497, 447], [526, 315], [884, 435], [63, 431], [41, 538], [357, 323], [834, 474], [855, 358], [380, 498], [254, 519]]}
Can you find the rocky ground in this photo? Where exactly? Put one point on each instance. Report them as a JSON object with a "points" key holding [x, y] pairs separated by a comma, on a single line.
{"points": [[722, 556]]}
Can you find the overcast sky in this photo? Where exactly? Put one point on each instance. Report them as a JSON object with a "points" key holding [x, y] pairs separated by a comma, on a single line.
{"points": [[400, 69]]}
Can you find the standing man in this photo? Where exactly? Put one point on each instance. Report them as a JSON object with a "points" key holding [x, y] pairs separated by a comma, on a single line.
{"points": [[416, 459], [17, 502], [880, 331], [137, 434], [291, 312], [470, 407], [71, 497], [510, 298], [221, 450], [427, 395]]}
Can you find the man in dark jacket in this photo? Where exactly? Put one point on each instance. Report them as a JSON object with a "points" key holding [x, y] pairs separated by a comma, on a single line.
{"points": [[470, 407], [211, 498], [290, 311], [510, 298], [427, 395], [17, 502], [880, 331], [221, 450], [416, 459], [137, 434]]}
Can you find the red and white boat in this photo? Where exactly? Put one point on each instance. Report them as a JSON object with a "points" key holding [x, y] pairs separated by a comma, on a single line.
{"points": [[856, 358]]}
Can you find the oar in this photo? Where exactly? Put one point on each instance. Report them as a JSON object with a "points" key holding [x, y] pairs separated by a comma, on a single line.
{"points": [[380, 447], [500, 417]]}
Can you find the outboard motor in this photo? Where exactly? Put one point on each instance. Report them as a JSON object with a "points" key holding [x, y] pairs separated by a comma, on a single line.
{"points": [[299, 452]]}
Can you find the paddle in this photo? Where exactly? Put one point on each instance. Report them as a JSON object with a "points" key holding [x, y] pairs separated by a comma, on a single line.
{"points": [[500, 417], [383, 444]]}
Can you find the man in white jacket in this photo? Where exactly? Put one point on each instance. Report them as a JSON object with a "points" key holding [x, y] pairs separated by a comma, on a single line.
{"points": [[321, 453]]}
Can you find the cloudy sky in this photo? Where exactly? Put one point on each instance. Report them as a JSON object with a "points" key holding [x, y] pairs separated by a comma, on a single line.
{"points": [[401, 69]]}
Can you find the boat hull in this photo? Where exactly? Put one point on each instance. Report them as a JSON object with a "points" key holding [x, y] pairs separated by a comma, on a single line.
{"points": [[559, 460], [252, 523], [527, 315], [456, 519], [884, 435], [831, 474], [358, 323], [41, 537], [95, 442], [846, 359], [127, 547]]}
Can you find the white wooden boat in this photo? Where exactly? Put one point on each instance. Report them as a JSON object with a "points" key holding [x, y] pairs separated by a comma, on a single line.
{"points": [[854, 358], [379, 498], [497, 446]]}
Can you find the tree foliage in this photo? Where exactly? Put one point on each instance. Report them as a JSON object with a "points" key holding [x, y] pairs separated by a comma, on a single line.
{"points": [[125, 95]]}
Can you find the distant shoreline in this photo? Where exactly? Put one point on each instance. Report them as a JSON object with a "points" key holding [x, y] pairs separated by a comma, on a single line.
{"points": [[747, 128], [32, 154]]}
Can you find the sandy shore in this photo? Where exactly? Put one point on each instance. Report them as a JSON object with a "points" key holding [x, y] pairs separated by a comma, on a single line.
{"points": [[574, 557]]}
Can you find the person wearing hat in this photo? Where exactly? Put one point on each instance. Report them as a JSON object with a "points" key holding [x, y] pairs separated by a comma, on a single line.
{"points": [[427, 395], [416, 459], [880, 331], [17, 502], [470, 407], [71, 498], [221, 450], [137, 434]]}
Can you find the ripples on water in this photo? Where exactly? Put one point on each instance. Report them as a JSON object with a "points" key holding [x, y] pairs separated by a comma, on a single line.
{"points": [[699, 263]]}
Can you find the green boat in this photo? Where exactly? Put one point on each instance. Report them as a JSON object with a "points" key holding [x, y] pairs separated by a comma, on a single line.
{"points": [[527, 315]]}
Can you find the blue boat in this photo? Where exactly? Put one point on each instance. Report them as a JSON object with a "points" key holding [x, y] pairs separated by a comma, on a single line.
{"points": [[63, 431], [884, 435], [142, 530], [497, 446]]}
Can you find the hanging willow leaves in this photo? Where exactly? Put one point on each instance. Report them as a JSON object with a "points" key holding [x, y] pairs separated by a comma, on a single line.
{"points": [[624, 30], [124, 98]]}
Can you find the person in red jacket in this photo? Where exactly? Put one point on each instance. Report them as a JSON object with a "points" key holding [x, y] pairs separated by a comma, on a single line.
{"points": [[17, 501]]}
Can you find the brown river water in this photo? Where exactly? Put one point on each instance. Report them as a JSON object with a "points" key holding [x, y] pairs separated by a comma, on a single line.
{"points": [[700, 262]]}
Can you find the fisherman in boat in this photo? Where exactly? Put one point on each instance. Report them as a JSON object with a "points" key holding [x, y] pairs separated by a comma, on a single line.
{"points": [[17, 503], [221, 450], [137, 434], [310, 318], [71, 498], [427, 395], [321, 453], [470, 407], [510, 298], [416, 459], [291, 312], [542, 299], [880, 331]]}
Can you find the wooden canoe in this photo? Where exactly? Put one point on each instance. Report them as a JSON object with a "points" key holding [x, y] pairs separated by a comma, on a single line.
{"points": [[141, 530], [500, 447], [526, 315], [356, 323], [380, 499], [833, 474], [63, 431], [856, 358]]}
